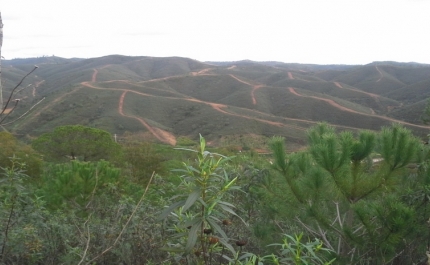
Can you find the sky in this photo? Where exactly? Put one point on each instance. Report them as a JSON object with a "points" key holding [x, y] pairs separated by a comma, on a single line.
{"points": [[291, 31]]}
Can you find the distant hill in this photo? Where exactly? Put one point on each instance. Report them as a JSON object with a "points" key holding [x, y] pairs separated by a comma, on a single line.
{"points": [[164, 98]]}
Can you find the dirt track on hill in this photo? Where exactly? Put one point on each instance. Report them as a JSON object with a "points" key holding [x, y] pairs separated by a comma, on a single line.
{"points": [[340, 107], [374, 96], [329, 101], [254, 87], [36, 86], [160, 134], [380, 73], [169, 138]]}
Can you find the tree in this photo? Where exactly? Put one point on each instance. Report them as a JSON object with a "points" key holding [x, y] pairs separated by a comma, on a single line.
{"points": [[350, 191], [76, 142]]}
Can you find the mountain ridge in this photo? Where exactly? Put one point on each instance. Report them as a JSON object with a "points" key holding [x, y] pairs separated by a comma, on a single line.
{"points": [[168, 97]]}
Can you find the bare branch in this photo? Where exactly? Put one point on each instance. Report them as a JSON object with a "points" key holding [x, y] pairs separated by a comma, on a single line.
{"points": [[13, 90], [25, 113], [88, 240], [16, 104]]}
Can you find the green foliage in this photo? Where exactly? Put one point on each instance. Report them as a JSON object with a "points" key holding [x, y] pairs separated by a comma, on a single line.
{"points": [[76, 142], [142, 160], [185, 141], [78, 182], [347, 197], [197, 226], [360, 198], [11, 147], [294, 251]]}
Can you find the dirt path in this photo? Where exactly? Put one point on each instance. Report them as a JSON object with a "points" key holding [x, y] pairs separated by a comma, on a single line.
{"points": [[201, 72], [160, 134], [290, 76], [231, 67], [51, 103], [222, 108], [374, 96], [380, 73], [334, 104], [329, 101], [169, 138], [36, 86], [254, 87], [94, 77], [166, 137]]}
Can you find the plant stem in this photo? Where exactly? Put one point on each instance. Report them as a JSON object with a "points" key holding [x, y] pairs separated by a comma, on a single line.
{"points": [[7, 228]]}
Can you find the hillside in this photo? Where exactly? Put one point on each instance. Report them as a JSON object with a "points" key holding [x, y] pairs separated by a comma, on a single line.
{"points": [[164, 98]]}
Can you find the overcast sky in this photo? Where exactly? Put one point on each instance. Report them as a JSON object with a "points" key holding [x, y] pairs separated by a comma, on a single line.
{"points": [[302, 31]]}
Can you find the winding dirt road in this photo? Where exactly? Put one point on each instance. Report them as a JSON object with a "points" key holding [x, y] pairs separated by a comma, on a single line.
{"points": [[336, 105], [169, 138], [36, 86], [254, 87], [374, 96], [329, 101], [380, 73], [160, 134]]}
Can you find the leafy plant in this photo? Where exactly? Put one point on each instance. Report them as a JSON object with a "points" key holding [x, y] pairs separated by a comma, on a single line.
{"points": [[195, 219]]}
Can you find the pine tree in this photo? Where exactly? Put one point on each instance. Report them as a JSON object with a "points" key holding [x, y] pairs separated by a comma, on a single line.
{"points": [[348, 190]]}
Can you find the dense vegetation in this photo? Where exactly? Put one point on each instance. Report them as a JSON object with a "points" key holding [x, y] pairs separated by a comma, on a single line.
{"points": [[346, 199]]}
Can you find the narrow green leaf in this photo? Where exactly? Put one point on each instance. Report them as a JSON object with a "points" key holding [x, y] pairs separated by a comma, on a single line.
{"points": [[192, 236], [229, 184], [227, 204], [215, 226], [228, 209], [192, 198], [168, 210], [228, 246], [202, 143], [185, 149]]}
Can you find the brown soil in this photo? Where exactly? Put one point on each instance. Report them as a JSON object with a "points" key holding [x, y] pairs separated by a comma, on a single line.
{"points": [[254, 87], [36, 86], [374, 96], [161, 135], [201, 72]]}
